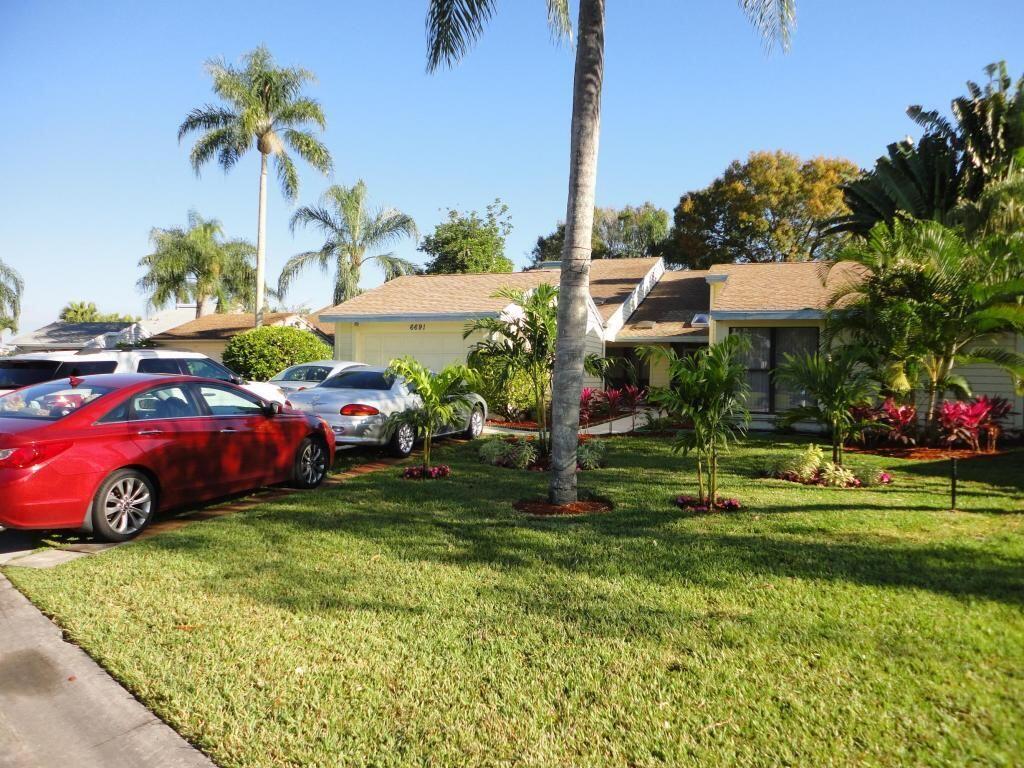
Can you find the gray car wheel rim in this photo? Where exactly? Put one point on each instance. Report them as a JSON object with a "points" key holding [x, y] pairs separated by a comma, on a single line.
{"points": [[312, 463], [128, 505], [405, 438], [476, 423]]}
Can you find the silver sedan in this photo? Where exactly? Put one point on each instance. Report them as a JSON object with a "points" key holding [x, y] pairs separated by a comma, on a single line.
{"points": [[357, 402], [307, 375]]}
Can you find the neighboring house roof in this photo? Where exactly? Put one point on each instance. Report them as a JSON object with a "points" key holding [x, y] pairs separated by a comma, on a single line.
{"points": [[165, 319], [61, 335], [612, 282], [786, 287], [223, 327], [669, 309]]}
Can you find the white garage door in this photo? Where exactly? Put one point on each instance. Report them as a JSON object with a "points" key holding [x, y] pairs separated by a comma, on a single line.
{"points": [[434, 350]]}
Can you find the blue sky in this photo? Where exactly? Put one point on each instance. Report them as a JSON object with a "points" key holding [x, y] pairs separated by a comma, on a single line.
{"points": [[95, 92]]}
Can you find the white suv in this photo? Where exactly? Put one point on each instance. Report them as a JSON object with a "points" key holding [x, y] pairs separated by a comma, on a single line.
{"points": [[34, 367]]}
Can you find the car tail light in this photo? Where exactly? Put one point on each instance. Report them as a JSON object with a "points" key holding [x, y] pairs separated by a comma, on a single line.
{"points": [[300, 389], [30, 455], [358, 409]]}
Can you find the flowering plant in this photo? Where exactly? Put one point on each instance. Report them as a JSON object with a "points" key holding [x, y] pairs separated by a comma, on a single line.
{"points": [[426, 473]]}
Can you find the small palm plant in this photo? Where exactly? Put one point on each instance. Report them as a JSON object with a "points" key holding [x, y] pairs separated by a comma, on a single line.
{"points": [[708, 389], [11, 288], [523, 339], [351, 230], [443, 397], [263, 105], [838, 383]]}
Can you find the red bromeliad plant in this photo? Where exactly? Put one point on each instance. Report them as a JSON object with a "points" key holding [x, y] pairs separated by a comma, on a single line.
{"points": [[632, 398], [901, 421], [588, 400], [612, 399]]}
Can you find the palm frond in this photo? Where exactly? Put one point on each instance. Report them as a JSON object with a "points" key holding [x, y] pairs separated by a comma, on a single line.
{"points": [[206, 118], [300, 261], [559, 21], [394, 266], [453, 26], [310, 149], [773, 19], [287, 175]]}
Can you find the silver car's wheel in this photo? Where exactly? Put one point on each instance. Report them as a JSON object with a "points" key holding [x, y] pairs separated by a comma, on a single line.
{"points": [[403, 440], [476, 424], [124, 505], [310, 463]]}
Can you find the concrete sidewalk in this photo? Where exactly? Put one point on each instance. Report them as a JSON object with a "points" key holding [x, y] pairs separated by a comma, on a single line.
{"points": [[59, 708]]}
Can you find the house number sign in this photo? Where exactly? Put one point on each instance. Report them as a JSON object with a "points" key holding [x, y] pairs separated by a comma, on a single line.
{"points": [[417, 326]]}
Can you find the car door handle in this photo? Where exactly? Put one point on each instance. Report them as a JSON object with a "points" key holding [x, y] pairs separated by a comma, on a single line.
{"points": [[142, 432], [233, 431]]}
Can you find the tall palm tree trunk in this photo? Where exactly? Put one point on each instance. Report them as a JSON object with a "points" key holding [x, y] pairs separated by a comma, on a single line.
{"points": [[261, 243], [574, 284]]}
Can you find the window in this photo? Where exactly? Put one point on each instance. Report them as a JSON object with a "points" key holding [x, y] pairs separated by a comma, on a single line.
{"points": [[226, 402], [173, 402], [768, 348], [49, 401], [360, 380], [21, 373], [199, 366], [317, 373], [71, 368], [159, 365]]}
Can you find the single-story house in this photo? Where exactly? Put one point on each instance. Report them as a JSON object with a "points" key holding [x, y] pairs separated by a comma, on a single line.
{"points": [[63, 336], [210, 334], [633, 302]]}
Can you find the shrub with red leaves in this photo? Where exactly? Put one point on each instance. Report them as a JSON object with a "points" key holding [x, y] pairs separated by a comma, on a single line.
{"points": [[419, 472], [962, 421], [588, 401]]}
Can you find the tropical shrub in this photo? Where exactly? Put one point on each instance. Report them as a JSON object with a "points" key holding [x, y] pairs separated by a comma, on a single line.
{"points": [[443, 396], [801, 468], [590, 454], [708, 389], [508, 393], [522, 342], [633, 398], [588, 404], [966, 421], [837, 382], [888, 423], [513, 453], [836, 475], [261, 353]]}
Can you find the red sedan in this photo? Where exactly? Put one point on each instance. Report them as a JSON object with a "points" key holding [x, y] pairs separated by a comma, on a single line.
{"points": [[104, 453]]}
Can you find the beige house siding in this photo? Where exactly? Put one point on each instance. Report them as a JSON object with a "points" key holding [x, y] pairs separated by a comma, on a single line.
{"points": [[434, 343], [994, 382]]}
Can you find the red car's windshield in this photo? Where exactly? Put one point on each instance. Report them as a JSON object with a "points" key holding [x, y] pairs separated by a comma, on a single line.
{"points": [[49, 401]]}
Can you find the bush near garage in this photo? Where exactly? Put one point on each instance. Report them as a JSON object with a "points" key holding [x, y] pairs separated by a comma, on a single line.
{"points": [[509, 396], [263, 352]]}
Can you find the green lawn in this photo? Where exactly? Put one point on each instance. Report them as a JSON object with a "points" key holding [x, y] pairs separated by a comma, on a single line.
{"points": [[389, 622]]}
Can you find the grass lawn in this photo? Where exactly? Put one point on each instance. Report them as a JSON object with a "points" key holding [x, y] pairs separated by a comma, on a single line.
{"points": [[390, 622]]}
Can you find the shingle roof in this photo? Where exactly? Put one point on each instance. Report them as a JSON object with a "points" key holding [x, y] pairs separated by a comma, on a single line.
{"points": [[669, 307], [611, 282], [779, 287], [68, 335], [217, 327]]}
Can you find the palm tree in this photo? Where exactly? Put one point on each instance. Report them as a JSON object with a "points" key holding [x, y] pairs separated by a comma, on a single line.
{"points": [[837, 383], [452, 28], [263, 105], [351, 230], [709, 390], [522, 340], [952, 298], [197, 264], [443, 396], [11, 288]]}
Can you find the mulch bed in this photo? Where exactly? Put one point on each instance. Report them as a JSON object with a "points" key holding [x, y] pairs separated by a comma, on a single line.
{"points": [[924, 453], [532, 425], [544, 509]]}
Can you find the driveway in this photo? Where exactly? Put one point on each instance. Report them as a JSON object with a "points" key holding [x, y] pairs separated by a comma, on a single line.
{"points": [[59, 708]]}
